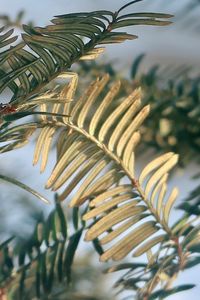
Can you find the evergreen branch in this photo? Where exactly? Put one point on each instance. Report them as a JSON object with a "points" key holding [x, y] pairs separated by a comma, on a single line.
{"points": [[83, 134], [53, 49], [88, 145], [95, 147]]}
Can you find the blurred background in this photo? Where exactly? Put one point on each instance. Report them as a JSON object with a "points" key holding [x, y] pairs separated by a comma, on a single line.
{"points": [[176, 46]]}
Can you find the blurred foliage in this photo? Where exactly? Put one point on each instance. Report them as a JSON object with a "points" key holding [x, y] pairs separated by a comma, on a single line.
{"points": [[191, 205], [17, 22], [40, 266]]}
